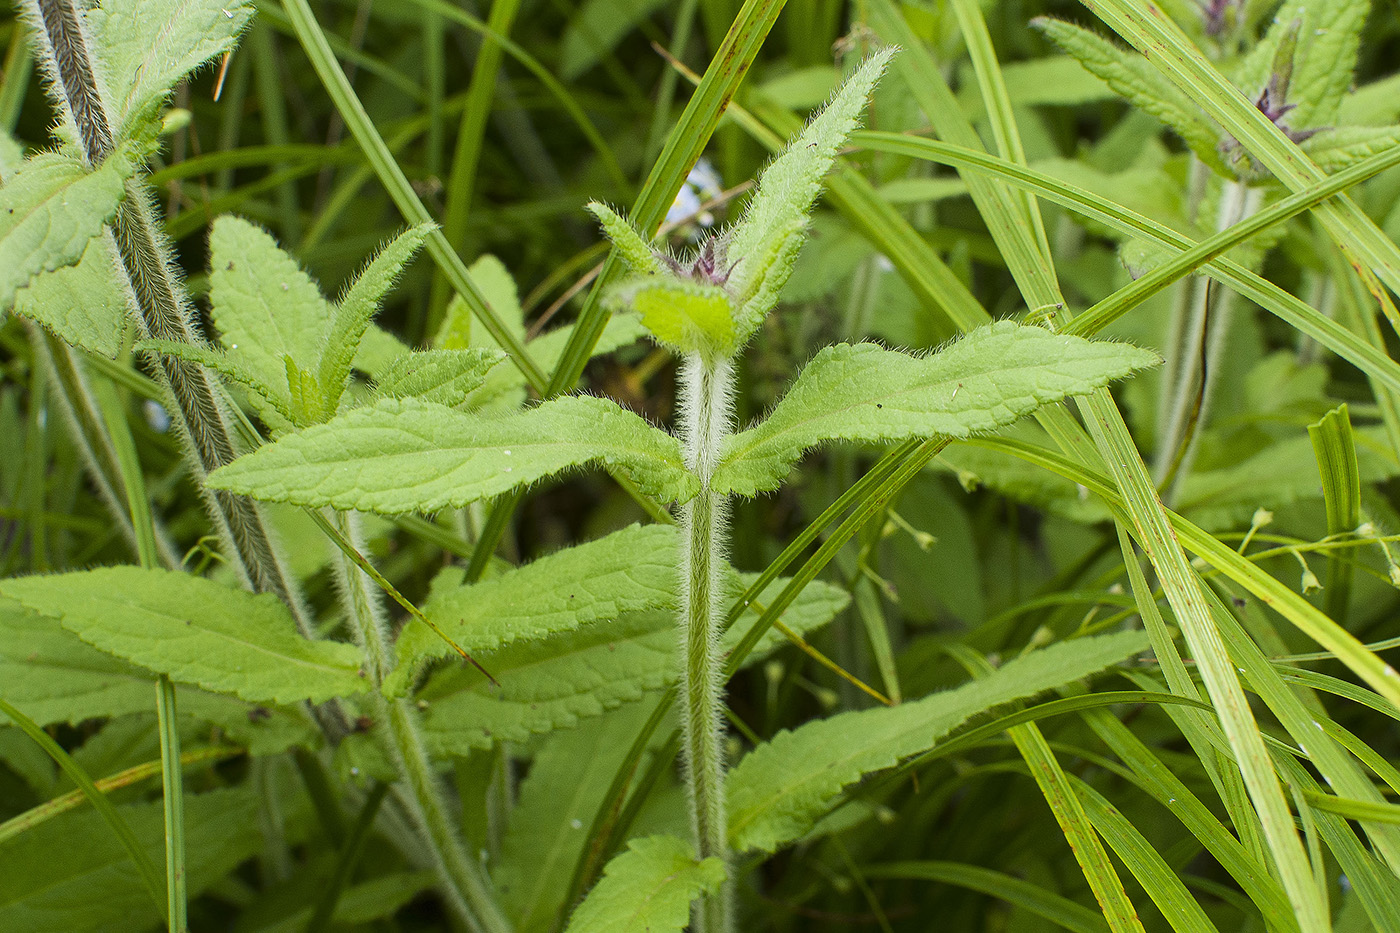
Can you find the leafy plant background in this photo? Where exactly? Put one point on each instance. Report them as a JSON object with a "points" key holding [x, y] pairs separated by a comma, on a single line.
{"points": [[973, 699]]}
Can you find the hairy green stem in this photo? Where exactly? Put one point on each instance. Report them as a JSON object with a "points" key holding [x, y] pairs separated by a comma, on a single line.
{"points": [[464, 885], [1195, 351], [165, 312], [705, 416]]}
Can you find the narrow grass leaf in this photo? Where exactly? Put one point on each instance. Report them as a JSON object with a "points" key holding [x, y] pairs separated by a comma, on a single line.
{"points": [[194, 630], [782, 788], [1017, 892], [987, 379], [1334, 445], [402, 455], [648, 887], [1156, 877]]}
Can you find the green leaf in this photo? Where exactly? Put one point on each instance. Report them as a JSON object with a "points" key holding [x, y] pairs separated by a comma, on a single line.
{"points": [[1132, 76], [50, 210], [359, 905], [685, 316], [626, 571], [497, 286], [626, 240], [83, 304], [554, 682], [194, 630], [265, 307], [989, 378], [648, 887], [401, 455], [1324, 58], [1336, 149], [11, 155], [1276, 476], [70, 874], [52, 676], [357, 307], [595, 30], [446, 377], [557, 801], [147, 46], [780, 789], [759, 245]]}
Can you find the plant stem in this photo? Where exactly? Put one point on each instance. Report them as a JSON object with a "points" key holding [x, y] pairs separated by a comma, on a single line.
{"points": [[199, 413], [705, 416], [463, 884], [173, 797]]}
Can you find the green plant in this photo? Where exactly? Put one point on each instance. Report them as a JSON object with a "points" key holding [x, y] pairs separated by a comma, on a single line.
{"points": [[429, 627]]}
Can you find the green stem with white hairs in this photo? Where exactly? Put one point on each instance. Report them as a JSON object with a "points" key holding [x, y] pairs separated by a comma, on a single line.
{"points": [[462, 882], [706, 417]]}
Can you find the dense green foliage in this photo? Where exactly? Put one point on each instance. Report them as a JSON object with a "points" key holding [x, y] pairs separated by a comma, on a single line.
{"points": [[430, 500]]}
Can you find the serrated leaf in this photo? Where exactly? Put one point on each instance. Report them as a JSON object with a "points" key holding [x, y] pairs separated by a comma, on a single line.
{"points": [[265, 307], [863, 392], [50, 211], [626, 240], [194, 630], [352, 316], [447, 377], [1324, 57], [402, 455], [785, 194], [71, 874], [648, 887], [685, 316], [628, 570], [497, 286], [555, 805], [53, 676], [780, 789], [146, 47], [1134, 77], [1336, 149], [84, 304], [554, 682]]}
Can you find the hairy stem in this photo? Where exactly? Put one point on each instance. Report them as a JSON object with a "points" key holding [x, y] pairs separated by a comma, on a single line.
{"points": [[199, 413], [705, 417], [463, 883]]}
